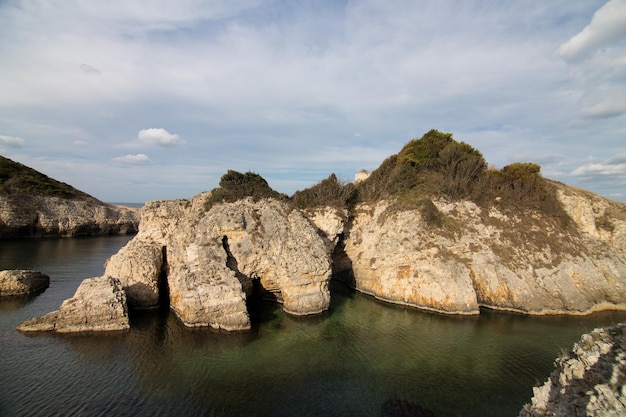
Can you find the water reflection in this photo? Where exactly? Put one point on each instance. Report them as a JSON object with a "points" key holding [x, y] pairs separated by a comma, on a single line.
{"points": [[350, 362]]}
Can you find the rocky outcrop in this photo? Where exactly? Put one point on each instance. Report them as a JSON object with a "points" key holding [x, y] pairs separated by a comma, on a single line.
{"points": [[211, 257], [44, 216], [20, 282], [99, 304], [454, 257], [590, 380]]}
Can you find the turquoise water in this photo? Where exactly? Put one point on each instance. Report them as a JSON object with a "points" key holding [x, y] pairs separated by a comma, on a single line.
{"points": [[347, 362]]}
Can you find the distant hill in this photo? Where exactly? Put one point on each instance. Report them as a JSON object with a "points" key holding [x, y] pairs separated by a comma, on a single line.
{"points": [[18, 178], [35, 205]]}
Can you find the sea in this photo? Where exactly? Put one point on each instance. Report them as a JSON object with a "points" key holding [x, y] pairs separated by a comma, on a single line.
{"points": [[361, 358]]}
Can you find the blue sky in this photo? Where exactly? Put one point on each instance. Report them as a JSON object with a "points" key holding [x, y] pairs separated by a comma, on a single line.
{"points": [[134, 101]]}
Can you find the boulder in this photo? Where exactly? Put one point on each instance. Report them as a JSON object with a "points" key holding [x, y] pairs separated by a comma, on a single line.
{"points": [[19, 282], [99, 304], [589, 380]]}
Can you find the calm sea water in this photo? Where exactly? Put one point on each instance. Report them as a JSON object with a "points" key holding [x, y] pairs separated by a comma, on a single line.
{"points": [[347, 362]]}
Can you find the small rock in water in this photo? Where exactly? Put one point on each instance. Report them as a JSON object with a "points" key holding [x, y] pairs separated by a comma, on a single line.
{"points": [[99, 304], [19, 282]]}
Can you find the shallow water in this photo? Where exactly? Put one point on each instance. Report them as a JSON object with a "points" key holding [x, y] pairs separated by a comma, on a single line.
{"points": [[347, 362]]}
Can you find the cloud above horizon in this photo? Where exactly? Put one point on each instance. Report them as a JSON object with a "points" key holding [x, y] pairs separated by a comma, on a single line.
{"points": [[159, 136], [12, 141], [138, 159], [607, 27], [280, 88]]}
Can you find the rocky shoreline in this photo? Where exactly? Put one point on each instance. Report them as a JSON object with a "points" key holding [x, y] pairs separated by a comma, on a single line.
{"points": [[589, 380], [30, 216], [204, 262]]}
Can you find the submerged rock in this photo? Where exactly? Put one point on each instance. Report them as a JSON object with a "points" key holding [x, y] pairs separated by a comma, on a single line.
{"points": [[19, 282], [590, 380], [99, 304]]}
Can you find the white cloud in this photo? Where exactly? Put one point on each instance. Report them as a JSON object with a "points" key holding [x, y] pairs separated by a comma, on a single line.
{"points": [[138, 159], [597, 56], [281, 87], [607, 27], [12, 141], [614, 167], [159, 136], [613, 104]]}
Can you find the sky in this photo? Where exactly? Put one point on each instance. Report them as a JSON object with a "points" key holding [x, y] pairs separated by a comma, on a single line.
{"points": [[132, 101]]}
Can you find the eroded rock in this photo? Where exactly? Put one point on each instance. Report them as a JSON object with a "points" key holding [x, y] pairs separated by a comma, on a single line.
{"points": [[99, 304], [20, 282], [462, 256], [138, 266], [590, 380], [213, 255]]}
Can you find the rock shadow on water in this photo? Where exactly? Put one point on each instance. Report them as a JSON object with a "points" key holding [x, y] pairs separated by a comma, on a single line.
{"points": [[396, 407]]}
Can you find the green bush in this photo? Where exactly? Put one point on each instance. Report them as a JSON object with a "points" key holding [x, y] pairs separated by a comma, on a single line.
{"points": [[435, 164], [235, 186], [328, 192]]}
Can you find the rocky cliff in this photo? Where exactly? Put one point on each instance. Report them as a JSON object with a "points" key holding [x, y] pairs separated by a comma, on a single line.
{"points": [[209, 259], [589, 380], [432, 228], [454, 256], [33, 205]]}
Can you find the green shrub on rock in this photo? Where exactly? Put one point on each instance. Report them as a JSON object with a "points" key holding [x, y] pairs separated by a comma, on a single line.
{"points": [[235, 186]]}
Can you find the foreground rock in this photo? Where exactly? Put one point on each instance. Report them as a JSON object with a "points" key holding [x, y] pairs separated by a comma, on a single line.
{"points": [[454, 257], [590, 380], [99, 304], [210, 259], [19, 282]]}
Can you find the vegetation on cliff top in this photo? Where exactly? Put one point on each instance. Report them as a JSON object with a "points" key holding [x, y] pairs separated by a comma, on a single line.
{"points": [[17, 178], [235, 186], [437, 166]]}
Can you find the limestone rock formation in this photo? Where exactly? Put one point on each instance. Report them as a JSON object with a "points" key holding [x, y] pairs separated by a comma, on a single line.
{"points": [[212, 256], [45, 216], [17, 282], [455, 256], [34, 205], [99, 304], [138, 259], [590, 380]]}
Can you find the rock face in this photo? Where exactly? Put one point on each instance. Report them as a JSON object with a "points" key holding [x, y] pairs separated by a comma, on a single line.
{"points": [[211, 258], [138, 265], [454, 257], [20, 282], [99, 304], [44, 216], [590, 380]]}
